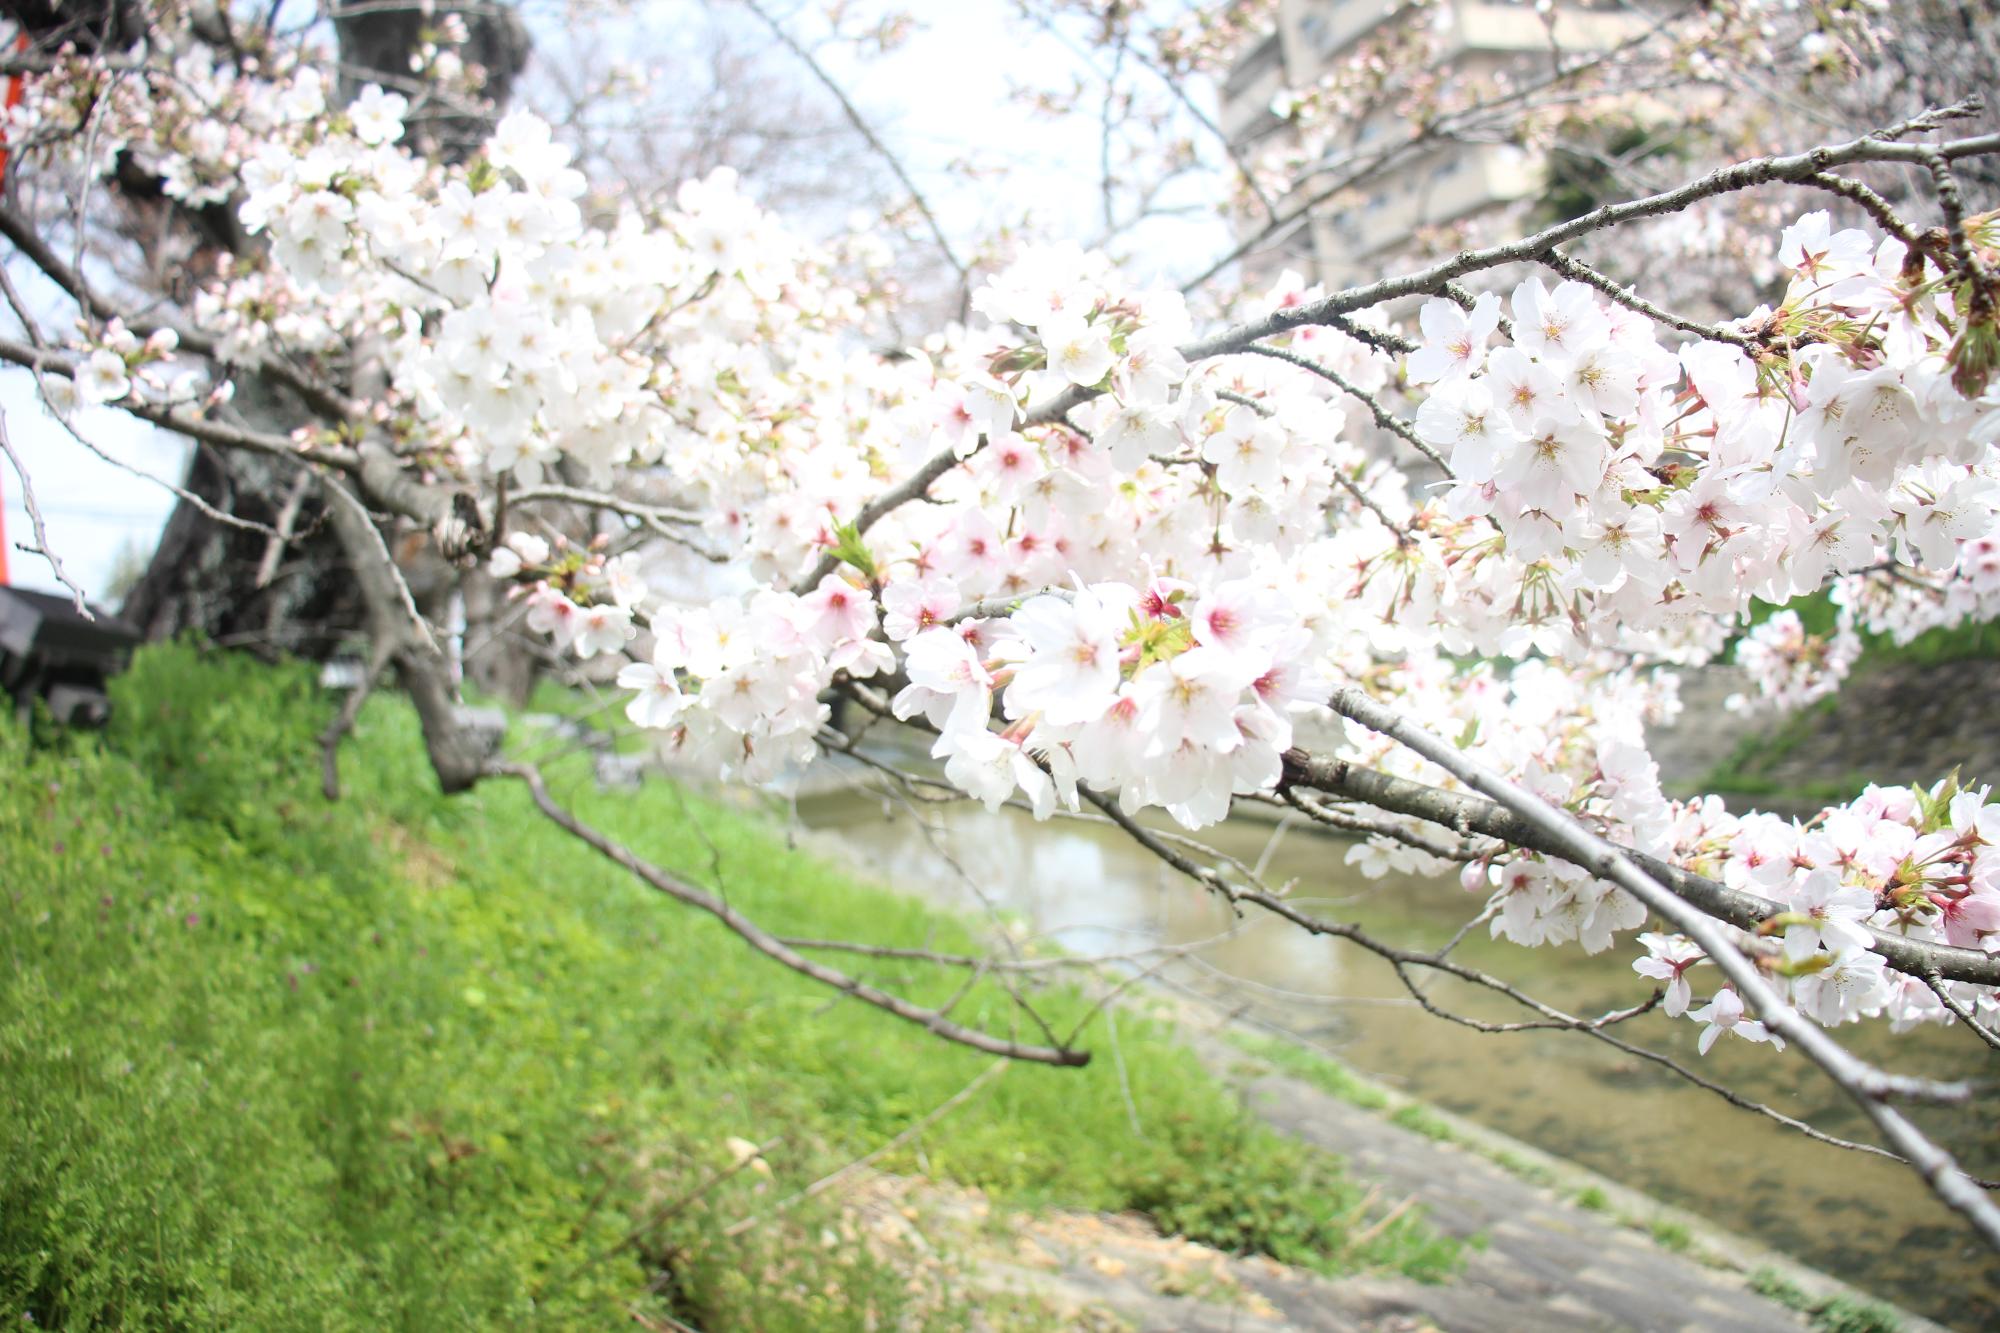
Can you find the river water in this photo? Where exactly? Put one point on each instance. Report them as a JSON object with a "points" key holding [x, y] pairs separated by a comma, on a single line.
{"points": [[1089, 890]]}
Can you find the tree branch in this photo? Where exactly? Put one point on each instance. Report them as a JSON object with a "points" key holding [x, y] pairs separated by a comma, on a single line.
{"points": [[1869, 1087], [768, 944], [1584, 273], [1384, 418], [1468, 813]]}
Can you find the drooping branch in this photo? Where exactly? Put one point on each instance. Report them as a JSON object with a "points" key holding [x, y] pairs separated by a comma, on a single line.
{"points": [[1252, 891], [1403, 961], [766, 943], [1961, 1012]]}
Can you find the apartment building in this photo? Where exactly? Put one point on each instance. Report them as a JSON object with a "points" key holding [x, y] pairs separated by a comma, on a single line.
{"points": [[1359, 229]]}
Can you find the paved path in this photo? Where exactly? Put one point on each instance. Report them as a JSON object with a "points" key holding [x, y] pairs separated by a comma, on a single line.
{"points": [[1546, 1264]]}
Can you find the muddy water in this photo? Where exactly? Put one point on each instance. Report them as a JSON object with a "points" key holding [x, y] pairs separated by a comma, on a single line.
{"points": [[1088, 889]]}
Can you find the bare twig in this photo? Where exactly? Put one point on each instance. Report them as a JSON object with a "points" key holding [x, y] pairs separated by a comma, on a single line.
{"points": [[195, 501], [1340, 478], [874, 141], [288, 518], [1124, 1080], [673, 1207], [1961, 1011], [617, 504], [1584, 273], [1378, 828], [1873, 204], [42, 546], [1952, 204], [343, 496], [1384, 418]]}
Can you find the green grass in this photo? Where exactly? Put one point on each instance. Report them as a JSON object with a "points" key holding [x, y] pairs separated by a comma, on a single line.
{"points": [[404, 1061], [1670, 1235], [1833, 1314], [1420, 1120], [1329, 1076], [1521, 1168]]}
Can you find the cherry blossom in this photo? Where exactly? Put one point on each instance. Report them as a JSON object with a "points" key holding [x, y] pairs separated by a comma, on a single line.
{"points": [[1725, 1013], [1082, 536]]}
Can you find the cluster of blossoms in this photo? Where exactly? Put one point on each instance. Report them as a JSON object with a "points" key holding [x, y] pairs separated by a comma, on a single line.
{"points": [[1173, 699], [1966, 590], [736, 684], [1632, 486], [583, 601], [1576, 739], [1150, 558], [515, 335], [121, 366], [1789, 667], [1924, 865]]}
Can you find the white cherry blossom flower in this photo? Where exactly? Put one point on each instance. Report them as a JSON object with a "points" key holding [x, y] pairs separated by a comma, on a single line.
{"points": [[1079, 352], [378, 115], [1669, 958], [1725, 1013], [1454, 339], [102, 378]]}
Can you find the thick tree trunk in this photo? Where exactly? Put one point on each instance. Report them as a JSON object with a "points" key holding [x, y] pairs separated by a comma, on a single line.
{"points": [[205, 576]]}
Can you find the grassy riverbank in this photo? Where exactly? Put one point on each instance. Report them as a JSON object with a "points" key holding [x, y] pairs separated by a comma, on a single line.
{"points": [[404, 1061]]}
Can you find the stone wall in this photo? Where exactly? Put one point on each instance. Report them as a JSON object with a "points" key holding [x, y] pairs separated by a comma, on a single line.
{"points": [[1901, 722]]}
